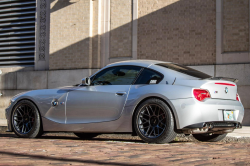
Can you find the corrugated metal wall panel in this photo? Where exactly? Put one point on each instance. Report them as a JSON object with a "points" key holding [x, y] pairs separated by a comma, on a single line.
{"points": [[17, 32]]}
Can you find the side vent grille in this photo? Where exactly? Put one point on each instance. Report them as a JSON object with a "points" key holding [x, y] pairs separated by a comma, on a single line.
{"points": [[17, 32]]}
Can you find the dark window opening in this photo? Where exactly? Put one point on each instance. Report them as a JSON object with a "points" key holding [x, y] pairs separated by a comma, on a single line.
{"points": [[149, 77], [119, 75]]}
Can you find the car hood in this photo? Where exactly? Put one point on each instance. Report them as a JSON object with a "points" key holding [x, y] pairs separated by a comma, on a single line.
{"points": [[56, 91]]}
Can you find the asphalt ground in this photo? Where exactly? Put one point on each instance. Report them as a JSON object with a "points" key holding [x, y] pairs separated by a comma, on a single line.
{"points": [[67, 149]]}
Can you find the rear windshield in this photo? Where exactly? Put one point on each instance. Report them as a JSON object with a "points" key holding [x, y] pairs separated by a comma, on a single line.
{"points": [[185, 70]]}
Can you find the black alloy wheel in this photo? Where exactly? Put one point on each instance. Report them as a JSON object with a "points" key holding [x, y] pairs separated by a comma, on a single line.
{"points": [[154, 122], [26, 120]]}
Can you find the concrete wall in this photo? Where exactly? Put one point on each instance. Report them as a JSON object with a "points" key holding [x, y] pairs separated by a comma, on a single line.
{"points": [[180, 31], [235, 25], [69, 34], [121, 28], [21, 80]]}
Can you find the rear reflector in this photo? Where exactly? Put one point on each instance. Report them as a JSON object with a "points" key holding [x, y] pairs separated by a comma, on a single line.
{"points": [[225, 84], [237, 97], [201, 94]]}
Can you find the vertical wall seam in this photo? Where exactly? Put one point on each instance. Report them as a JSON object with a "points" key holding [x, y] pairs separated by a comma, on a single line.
{"points": [[90, 33], [249, 29], [134, 28], [99, 35], [219, 4]]}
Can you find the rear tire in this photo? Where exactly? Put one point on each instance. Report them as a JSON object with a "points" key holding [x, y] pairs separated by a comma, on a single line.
{"points": [[86, 136], [25, 120], [154, 122], [209, 138]]}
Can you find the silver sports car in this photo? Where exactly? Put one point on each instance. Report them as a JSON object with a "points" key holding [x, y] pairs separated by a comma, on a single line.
{"points": [[152, 99]]}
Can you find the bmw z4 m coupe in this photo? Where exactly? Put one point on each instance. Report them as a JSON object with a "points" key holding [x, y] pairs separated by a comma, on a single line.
{"points": [[152, 99]]}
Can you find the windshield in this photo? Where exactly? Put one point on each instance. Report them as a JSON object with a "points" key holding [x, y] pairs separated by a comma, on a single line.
{"points": [[185, 70]]}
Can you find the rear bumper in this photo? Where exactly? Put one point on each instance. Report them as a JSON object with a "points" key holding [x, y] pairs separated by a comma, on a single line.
{"points": [[212, 127], [191, 111]]}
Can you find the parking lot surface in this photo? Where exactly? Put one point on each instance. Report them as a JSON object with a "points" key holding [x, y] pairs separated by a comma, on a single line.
{"points": [[66, 149]]}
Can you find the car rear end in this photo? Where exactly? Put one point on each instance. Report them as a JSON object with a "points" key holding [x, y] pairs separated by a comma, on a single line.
{"points": [[214, 105]]}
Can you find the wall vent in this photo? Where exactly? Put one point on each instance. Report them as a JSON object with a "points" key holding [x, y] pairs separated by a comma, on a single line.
{"points": [[17, 32]]}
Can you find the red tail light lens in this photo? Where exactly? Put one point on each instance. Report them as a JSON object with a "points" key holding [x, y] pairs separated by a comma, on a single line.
{"points": [[237, 97], [201, 94]]}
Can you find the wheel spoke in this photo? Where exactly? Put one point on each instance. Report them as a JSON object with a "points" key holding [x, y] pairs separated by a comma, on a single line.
{"points": [[18, 124], [161, 114], [146, 115], [27, 125], [151, 131], [144, 119], [144, 127], [21, 109], [19, 112], [162, 123], [145, 122], [148, 112], [160, 127], [22, 128], [158, 110], [147, 131], [151, 110]]}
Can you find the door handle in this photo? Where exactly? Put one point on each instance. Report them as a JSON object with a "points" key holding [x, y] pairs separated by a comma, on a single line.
{"points": [[120, 93]]}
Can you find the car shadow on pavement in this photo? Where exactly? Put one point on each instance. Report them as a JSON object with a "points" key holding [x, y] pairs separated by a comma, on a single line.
{"points": [[8, 135], [93, 139], [72, 137], [60, 159], [101, 138]]}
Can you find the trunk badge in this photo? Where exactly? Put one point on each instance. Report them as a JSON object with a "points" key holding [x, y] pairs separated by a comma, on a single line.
{"points": [[226, 90]]}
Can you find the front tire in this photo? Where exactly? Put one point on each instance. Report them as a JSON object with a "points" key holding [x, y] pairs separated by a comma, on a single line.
{"points": [[209, 138], [154, 122], [25, 120]]}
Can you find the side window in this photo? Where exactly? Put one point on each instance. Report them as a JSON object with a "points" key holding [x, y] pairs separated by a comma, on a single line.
{"points": [[149, 77], [120, 75]]}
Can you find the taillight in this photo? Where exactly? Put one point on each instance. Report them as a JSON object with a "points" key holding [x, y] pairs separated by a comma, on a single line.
{"points": [[201, 94], [237, 97]]}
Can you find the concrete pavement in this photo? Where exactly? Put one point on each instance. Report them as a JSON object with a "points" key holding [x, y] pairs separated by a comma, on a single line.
{"points": [[238, 133], [69, 150], [244, 132]]}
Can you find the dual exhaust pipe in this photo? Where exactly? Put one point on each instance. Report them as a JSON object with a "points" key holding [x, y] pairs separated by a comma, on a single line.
{"points": [[214, 128]]}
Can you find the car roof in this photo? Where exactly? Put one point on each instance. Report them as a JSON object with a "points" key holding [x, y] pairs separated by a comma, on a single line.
{"points": [[143, 63]]}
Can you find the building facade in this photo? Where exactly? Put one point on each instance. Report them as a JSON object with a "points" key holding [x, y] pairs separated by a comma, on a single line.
{"points": [[51, 43]]}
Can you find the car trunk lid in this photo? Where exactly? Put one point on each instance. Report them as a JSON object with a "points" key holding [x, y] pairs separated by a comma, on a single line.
{"points": [[218, 88], [221, 89]]}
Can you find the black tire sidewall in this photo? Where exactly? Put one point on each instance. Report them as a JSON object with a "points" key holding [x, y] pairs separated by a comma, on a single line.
{"points": [[36, 129], [168, 134]]}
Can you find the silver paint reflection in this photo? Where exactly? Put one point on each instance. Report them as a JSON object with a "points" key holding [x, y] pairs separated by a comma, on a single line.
{"points": [[110, 108]]}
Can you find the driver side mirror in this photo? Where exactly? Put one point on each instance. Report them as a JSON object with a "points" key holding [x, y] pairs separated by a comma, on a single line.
{"points": [[86, 81]]}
